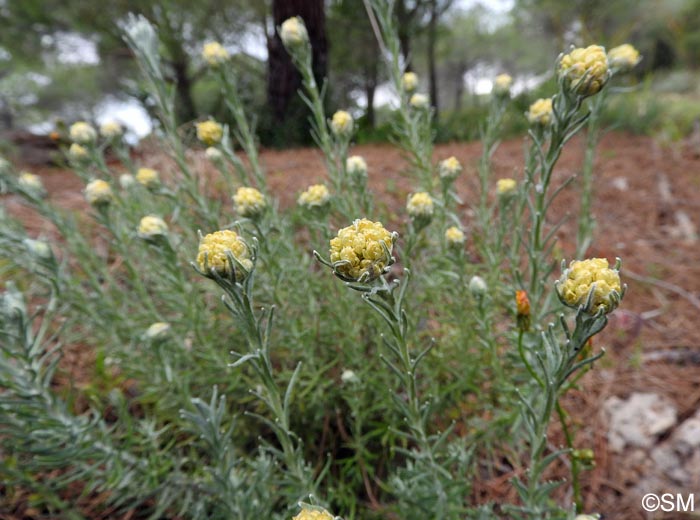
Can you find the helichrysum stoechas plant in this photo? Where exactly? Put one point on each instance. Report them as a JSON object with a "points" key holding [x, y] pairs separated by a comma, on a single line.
{"points": [[592, 285], [585, 69], [82, 133], [342, 123], [419, 101], [209, 132], [313, 513], [455, 238], [540, 112], [214, 54], [293, 32], [315, 196], [148, 177], [127, 180], [99, 193], [506, 187], [450, 168], [32, 184], [78, 152], [152, 226], [224, 253], [249, 202], [623, 58]]}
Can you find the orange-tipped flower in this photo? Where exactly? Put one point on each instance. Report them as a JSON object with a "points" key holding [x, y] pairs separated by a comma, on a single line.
{"points": [[522, 306]]}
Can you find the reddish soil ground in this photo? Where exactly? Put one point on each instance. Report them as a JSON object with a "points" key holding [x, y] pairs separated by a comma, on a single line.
{"points": [[647, 203]]}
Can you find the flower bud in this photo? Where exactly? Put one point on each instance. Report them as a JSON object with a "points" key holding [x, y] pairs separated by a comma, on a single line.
{"points": [[157, 331], [111, 130], [502, 84], [348, 376], [362, 252], [342, 123], [214, 54], [409, 81], [213, 255], [214, 154], [151, 227], [623, 58], [522, 311], [419, 101], [313, 513], [315, 196], [77, 152], [454, 237], [209, 132], [293, 32], [420, 206], [99, 193], [82, 133], [506, 187], [38, 248], [449, 168], [477, 286], [148, 177], [540, 112], [126, 180], [249, 202], [356, 166], [585, 70], [590, 285], [31, 183]]}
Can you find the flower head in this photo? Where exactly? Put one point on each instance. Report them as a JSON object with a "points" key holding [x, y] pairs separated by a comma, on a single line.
{"points": [[522, 310], [82, 133], [502, 84], [293, 32], [342, 123], [213, 254], [152, 226], [454, 236], [356, 165], [111, 130], [38, 248], [409, 81], [77, 152], [348, 376], [214, 54], [449, 168], [315, 196], [420, 205], [148, 177], [362, 251], [419, 101], [477, 286], [209, 132], [506, 187], [249, 202], [623, 58], [540, 112], [591, 284], [31, 183], [585, 69], [308, 513], [99, 193]]}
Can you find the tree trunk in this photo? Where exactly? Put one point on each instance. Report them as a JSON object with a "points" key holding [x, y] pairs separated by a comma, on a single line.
{"points": [[283, 78], [183, 86], [370, 89], [432, 75], [459, 87]]}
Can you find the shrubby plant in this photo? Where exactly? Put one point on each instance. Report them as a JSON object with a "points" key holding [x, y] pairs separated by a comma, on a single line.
{"points": [[235, 377]]}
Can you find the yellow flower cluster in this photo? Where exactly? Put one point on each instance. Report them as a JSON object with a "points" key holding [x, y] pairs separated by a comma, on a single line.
{"points": [[98, 192], [505, 187], [502, 84], [313, 514], [540, 112], [454, 236], [148, 177], [209, 132], [293, 32], [581, 276], [212, 254], [586, 69], [624, 57], [315, 196], [152, 226], [214, 54], [420, 205], [409, 81], [77, 152], [419, 101], [449, 168], [342, 123], [249, 202], [111, 130], [82, 133], [362, 250]]}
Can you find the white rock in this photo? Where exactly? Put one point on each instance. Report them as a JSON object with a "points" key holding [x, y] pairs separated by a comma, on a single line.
{"points": [[638, 420]]}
